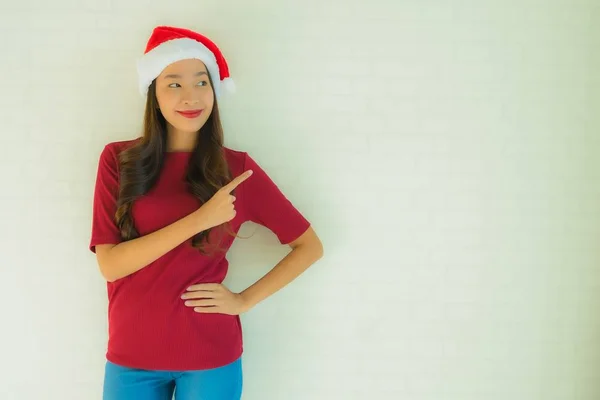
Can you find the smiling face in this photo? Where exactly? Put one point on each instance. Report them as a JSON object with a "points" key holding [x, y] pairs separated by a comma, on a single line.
{"points": [[185, 95]]}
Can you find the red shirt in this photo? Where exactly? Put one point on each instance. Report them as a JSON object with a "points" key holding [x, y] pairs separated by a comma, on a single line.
{"points": [[149, 325]]}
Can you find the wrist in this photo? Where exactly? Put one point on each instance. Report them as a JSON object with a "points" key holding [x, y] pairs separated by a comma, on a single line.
{"points": [[198, 221], [247, 303]]}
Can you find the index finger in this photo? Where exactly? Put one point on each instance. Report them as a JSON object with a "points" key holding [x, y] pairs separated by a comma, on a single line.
{"points": [[237, 181]]}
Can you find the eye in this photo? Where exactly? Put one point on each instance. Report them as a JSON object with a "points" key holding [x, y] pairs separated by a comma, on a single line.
{"points": [[203, 83], [171, 85]]}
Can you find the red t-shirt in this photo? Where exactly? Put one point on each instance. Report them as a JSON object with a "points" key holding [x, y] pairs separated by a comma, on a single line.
{"points": [[149, 325]]}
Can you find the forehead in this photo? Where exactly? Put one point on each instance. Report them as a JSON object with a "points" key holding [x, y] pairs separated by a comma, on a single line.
{"points": [[184, 67]]}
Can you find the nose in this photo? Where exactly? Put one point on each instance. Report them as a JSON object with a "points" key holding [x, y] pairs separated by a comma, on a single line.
{"points": [[188, 98], [190, 101]]}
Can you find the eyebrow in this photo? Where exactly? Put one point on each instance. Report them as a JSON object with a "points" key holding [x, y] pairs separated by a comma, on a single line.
{"points": [[176, 76]]}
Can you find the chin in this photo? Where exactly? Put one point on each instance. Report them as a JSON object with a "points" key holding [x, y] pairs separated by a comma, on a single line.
{"points": [[188, 128]]}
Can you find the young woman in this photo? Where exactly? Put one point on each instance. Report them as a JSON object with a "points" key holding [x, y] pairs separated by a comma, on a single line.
{"points": [[167, 206]]}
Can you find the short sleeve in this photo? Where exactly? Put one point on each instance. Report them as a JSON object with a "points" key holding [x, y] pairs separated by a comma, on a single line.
{"points": [[265, 204], [104, 228]]}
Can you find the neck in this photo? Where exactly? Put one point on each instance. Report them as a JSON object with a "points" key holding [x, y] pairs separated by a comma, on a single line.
{"points": [[180, 141]]}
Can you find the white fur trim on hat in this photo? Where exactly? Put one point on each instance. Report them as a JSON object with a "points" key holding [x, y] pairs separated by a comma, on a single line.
{"points": [[151, 64]]}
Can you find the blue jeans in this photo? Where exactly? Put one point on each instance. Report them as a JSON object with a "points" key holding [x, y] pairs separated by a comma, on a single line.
{"points": [[223, 383]]}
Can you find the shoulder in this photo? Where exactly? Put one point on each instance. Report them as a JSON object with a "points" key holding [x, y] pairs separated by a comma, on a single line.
{"points": [[233, 154], [117, 147], [109, 155], [236, 159], [112, 150]]}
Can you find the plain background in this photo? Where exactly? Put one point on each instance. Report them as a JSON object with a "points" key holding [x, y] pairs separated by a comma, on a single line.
{"points": [[445, 151]]}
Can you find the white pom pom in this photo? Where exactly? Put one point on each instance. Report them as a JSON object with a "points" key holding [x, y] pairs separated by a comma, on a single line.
{"points": [[228, 85]]}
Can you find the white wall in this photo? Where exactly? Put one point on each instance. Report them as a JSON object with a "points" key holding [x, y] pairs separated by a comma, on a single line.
{"points": [[445, 151]]}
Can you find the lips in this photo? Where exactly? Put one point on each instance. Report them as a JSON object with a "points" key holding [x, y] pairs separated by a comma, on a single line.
{"points": [[190, 113]]}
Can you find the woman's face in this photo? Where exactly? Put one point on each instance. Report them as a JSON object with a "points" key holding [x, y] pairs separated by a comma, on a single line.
{"points": [[182, 87]]}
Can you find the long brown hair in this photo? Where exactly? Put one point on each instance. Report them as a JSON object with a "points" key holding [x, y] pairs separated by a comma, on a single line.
{"points": [[140, 167]]}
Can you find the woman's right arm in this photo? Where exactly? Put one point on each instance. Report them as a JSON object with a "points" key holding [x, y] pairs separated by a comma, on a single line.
{"points": [[117, 261], [115, 257]]}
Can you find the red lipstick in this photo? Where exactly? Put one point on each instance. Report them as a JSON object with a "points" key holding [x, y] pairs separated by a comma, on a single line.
{"points": [[190, 113]]}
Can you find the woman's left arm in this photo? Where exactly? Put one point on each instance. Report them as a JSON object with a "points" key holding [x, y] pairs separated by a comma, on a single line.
{"points": [[262, 202], [306, 250], [217, 298]]}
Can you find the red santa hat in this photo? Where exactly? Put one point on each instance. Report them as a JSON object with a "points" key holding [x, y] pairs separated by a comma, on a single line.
{"points": [[168, 44]]}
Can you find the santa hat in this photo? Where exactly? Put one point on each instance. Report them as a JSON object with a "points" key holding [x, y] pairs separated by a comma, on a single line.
{"points": [[167, 45]]}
